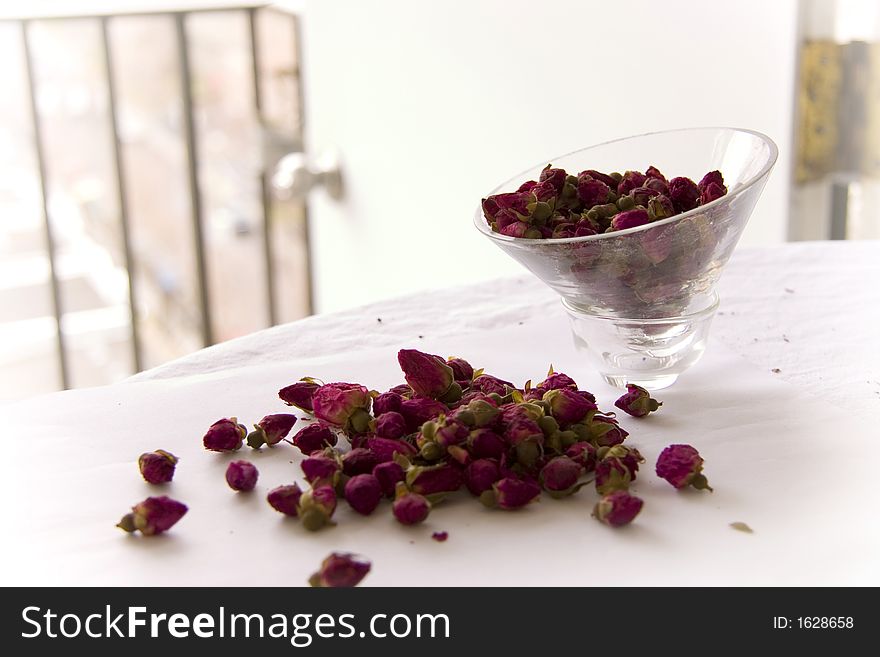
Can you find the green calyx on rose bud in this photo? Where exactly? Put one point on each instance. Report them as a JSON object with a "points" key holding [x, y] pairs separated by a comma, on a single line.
{"points": [[316, 508], [626, 203]]}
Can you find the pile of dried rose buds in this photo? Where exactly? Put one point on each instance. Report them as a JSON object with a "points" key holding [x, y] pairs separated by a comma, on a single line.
{"points": [[560, 205]]}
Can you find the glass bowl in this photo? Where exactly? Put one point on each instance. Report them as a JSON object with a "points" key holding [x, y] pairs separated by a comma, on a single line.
{"points": [[641, 300]]}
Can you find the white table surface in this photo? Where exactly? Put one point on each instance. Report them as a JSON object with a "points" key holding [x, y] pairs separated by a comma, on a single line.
{"points": [[791, 454]]}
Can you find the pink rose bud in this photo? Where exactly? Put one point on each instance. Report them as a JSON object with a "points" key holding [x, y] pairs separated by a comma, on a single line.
{"points": [[641, 195], [711, 193], [153, 516], [359, 461], [390, 425], [418, 411], [527, 186], [713, 177], [657, 185], [321, 468], [684, 193], [388, 474], [300, 394], [630, 180], [555, 177], [486, 444], [479, 475], [384, 449], [653, 172], [490, 208], [604, 177], [225, 435], [681, 466], [585, 229], [387, 402], [522, 230], [343, 405], [433, 479], [449, 432], [564, 231], [488, 384], [593, 192], [316, 507], [410, 508], [584, 454], [313, 438], [461, 369], [157, 467], [340, 570], [630, 219], [477, 413], [510, 494], [606, 432], [271, 430], [556, 381], [660, 207], [629, 457], [617, 508], [611, 475], [637, 401], [522, 429], [560, 475], [285, 499], [504, 219], [363, 493], [567, 406], [241, 475], [428, 376]]}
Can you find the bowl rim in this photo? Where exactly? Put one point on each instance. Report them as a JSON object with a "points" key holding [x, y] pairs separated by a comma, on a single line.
{"points": [[483, 227]]}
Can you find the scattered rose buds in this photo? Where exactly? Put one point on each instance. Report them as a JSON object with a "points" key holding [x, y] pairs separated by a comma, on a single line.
{"points": [[617, 508], [241, 475], [271, 430], [157, 467], [410, 508], [225, 435], [316, 507], [637, 401], [285, 499], [682, 466], [363, 493], [510, 494], [153, 516], [313, 438], [300, 394], [339, 570], [344, 405]]}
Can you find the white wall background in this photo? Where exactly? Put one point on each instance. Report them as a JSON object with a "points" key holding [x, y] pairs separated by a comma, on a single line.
{"points": [[431, 104]]}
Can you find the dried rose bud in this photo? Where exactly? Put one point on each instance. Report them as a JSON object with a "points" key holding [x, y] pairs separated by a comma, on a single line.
{"points": [[711, 193], [359, 461], [510, 494], [611, 475], [433, 479], [388, 474], [402, 390], [427, 375], [641, 195], [313, 438], [629, 457], [157, 467], [153, 516], [300, 394], [567, 406], [713, 177], [479, 475], [225, 435], [593, 192], [617, 508], [606, 432], [316, 507], [387, 402], [556, 381], [604, 177], [637, 401], [450, 432], [630, 219], [560, 475], [522, 230], [384, 449], [410, 508], [684, 193], [483, 412], [321, 468], [516, 202], [681, 466], [485, 443], [461, 369], [555, 177], [657, 185], [630, 180], [488, 384], [418, 411], [340, 570], [271, 430], [660, 207], [285, 499], [584, 454], [653, 172], [241, 475], [391, 425], [343, 405], [363, 493], [440, 537], [585, 229], [563, 231], [543, 202], [527, 186]]}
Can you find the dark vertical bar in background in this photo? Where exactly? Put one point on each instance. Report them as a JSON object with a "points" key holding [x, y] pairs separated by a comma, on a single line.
{"points": [[192, 165], [265, 200], [47, 225], [121, 195], [297, 44], [839, 210]]}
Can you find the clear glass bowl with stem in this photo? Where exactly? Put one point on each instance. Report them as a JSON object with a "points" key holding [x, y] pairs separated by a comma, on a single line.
{"points": [[641, 300]]}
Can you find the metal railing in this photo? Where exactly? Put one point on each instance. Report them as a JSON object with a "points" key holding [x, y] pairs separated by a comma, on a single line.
{"points": [[192, 159]]}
